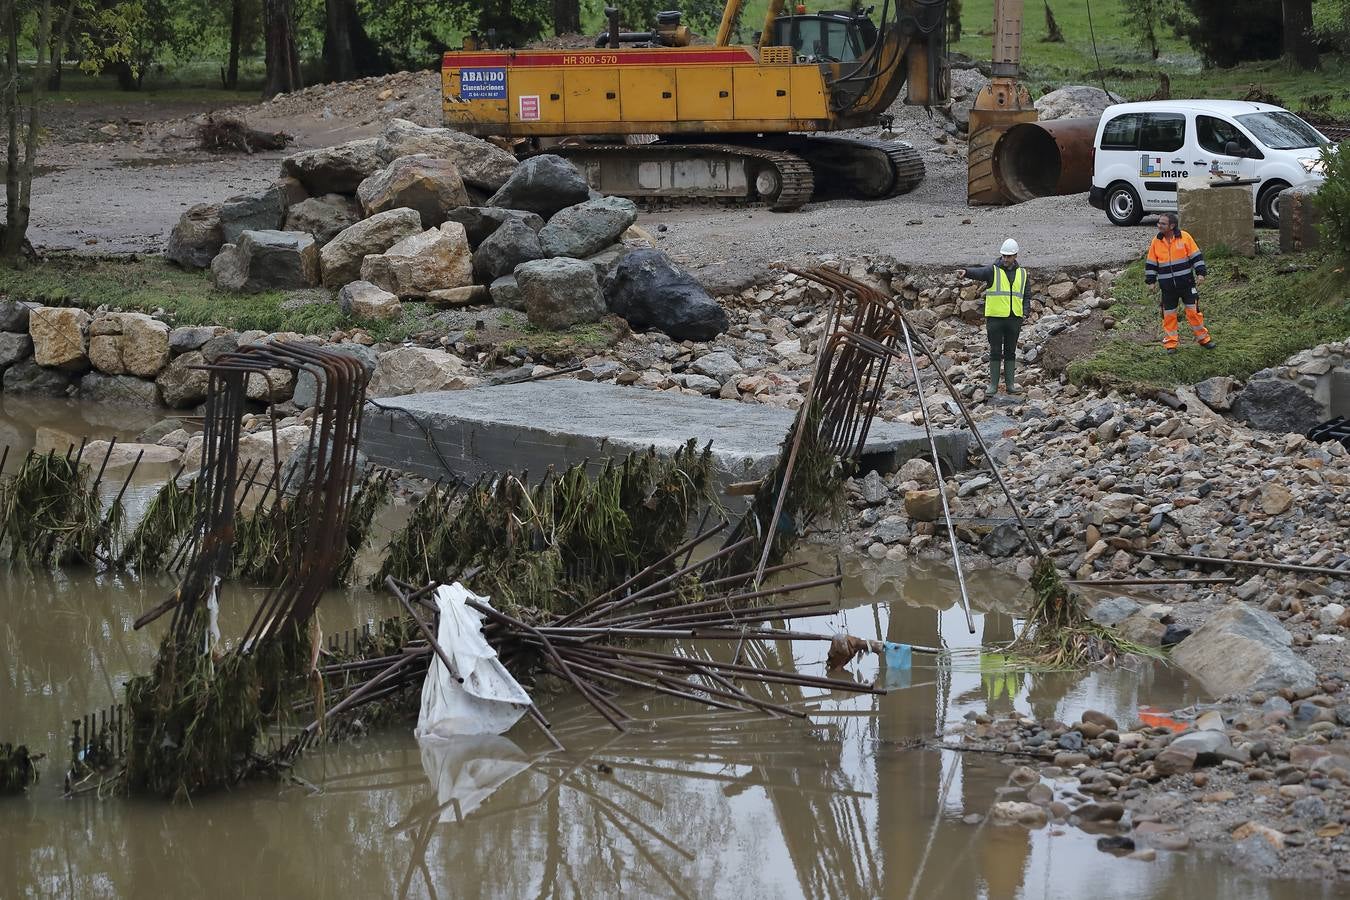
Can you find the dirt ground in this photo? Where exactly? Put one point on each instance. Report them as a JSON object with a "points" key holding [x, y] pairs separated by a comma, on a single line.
{"points": [[121, 192]]}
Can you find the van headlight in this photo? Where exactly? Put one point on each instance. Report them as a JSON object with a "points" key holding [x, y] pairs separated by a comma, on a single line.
{"points": [[1313, 165]]}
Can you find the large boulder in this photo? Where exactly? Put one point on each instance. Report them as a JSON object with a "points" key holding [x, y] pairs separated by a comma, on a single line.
{"points": [[267, 260], [1239, 650], [14, 314], [128, 344], [482, 164], [261, 211], [341, 257], [335, 170], [507, 247], [14, 348], [587, 228], [650, 291], [363, 300], [60, 337], [1075, 101], [197, 237], [275, 386], [323, 217], [1300, 215], [429, 185], [1277, 404], [307, 385], [481, 221], [122, 390], [27, 377], [433, 260], [543, 185], [181, 384], [560, 293], [506, 292], [416, 370]]}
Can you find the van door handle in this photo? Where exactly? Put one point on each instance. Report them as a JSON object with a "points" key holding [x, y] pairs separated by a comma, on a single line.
{"points": [[1199, 162], [1178, 162]]}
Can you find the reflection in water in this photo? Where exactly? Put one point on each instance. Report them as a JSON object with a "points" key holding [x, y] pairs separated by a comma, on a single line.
{"points": [[686, 803]]}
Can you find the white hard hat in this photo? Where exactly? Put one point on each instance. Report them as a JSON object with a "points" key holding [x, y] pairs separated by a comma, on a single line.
{"points": [[1009, 248]]}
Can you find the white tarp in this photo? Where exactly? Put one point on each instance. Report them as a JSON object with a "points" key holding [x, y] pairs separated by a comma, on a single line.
{"points": [[479, 696], [468, 769]]}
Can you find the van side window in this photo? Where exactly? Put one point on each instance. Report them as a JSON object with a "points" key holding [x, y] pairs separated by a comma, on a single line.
{"points": [[1121, 133], [1216, 133], [1162, 132]]}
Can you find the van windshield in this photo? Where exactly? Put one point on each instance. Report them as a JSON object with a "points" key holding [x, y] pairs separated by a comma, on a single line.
{"points": [[1282, 130]]}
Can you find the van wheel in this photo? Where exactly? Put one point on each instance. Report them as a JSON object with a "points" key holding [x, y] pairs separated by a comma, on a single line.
{"points": [[1122, 205], [1268, 204]]}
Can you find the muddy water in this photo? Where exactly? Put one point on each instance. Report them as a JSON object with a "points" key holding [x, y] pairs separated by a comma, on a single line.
{"points": [[686, 804]]}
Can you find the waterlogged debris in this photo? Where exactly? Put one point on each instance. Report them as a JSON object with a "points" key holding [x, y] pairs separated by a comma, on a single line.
{"points": [[17, 769]]}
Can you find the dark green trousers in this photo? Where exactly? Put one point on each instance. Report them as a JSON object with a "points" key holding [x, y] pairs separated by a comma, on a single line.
{"points": [[1002, 332]]}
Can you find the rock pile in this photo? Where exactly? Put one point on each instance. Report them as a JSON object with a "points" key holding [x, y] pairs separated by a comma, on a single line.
{"points": [[435, 215]]}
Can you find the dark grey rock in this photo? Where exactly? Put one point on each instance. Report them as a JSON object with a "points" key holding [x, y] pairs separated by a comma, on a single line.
{"points": [[339, 169], [1255, 852], [1002, 540], [262, 211], [1275, 404], [155, 432], [891, 530], [323, 217], [560, 293], [14, 348], [1070, 740], [220, 344], [191, 337], [481, 221], [874, 490], [650, 291], [505, 292], [542, 184], [1207, 745], [197, 237], [267, 260], [125, 390], [510, 245], [1112, 610], [27, 377], [306, 385], [14, 314], [587, 228], [1175, 634]]}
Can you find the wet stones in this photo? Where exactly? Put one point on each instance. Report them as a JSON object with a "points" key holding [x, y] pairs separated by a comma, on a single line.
{"points": [[60, 337], [128, 344], [1174, 761], [14, 348], [1012, 812], [650, 291], [1239, 649], [180, 384]]}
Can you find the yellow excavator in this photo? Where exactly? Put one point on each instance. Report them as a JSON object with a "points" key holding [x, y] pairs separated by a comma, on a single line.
{"points": [[651, 114]]}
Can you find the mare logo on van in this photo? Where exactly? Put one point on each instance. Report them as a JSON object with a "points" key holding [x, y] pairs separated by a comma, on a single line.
{"points": [[1151, 167]]}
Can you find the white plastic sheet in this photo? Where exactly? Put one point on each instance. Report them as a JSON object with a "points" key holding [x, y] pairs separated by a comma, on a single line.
{"points": [[467, 769], [479, 696]]}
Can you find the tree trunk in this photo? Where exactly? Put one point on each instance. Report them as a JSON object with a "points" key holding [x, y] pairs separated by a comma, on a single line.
{"points": [[566, 16], [236, 35], [12, 239], [348, 52], [1300, 48], [283, 64], [954, 19]]}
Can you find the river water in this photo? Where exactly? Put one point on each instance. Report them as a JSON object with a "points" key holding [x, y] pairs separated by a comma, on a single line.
{"points": [[687, 803]]}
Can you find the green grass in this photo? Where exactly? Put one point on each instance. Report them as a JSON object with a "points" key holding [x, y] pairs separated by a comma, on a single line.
{"points": [[151, 284], [1260, 311]]}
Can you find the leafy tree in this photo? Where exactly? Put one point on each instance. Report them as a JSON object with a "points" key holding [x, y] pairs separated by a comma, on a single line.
{"points": [[1144, 19], [1227, 32]]}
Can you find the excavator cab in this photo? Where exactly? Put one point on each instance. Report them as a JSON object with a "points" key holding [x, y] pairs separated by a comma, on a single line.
{"points": [[832, 36]]}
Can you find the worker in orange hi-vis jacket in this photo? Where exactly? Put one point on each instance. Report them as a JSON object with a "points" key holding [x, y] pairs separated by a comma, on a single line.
{"points": [[1175, 266]]}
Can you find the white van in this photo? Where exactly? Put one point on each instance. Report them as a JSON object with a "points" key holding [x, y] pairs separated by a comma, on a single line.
{"points": [[1143, 151]]}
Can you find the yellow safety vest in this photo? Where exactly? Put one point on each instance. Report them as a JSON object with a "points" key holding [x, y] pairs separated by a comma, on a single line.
{"points": [[1003, 298]]}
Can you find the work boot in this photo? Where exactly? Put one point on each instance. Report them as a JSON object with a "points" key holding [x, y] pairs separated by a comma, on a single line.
{"points": [[994, 366], [1209, 344], [1009, 366], [1171, 351]]}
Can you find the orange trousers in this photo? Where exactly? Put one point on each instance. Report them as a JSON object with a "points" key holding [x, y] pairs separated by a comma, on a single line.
{"points": [[1188, 297]]}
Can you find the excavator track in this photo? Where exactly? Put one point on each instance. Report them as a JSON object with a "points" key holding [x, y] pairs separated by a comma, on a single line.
{"points": [[865, 168], [780, 179]]}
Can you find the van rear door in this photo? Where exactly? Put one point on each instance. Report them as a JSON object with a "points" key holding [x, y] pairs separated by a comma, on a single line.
{"points": [[1162, 159]]}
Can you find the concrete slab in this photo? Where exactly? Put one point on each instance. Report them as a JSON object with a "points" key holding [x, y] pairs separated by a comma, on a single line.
{"points": [[533, 425]]}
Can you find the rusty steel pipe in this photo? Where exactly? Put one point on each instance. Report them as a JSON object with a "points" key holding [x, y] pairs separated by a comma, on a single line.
{"points": [[1045, 159]]}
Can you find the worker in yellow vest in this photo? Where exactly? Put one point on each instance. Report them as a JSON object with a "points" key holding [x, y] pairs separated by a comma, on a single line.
{"points": [[1004, 304]]}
